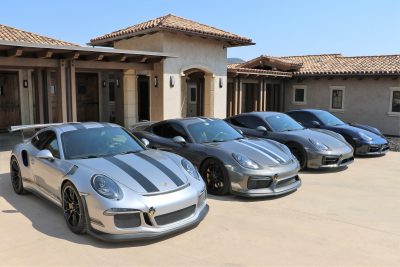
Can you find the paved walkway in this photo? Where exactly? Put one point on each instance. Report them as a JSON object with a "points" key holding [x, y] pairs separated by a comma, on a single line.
{"points": [[351, 217]]}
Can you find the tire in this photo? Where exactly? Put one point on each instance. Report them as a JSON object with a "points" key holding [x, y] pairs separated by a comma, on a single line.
{"points": [[74, 211], [16, 178], [300, 155], [216, 177]]}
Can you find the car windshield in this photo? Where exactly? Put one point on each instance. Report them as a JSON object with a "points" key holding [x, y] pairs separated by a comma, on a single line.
{"points": [[329, 119], [213, 131], [283, 123], [98, 142]]}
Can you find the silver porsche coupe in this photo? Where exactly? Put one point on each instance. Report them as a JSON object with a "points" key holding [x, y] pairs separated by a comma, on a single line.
{"points": [[108, 183], [228, 162]]}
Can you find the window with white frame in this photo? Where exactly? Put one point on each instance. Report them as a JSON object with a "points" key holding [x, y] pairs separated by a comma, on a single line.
{"points": [[299, 94], [337, 98], [394, 106]]}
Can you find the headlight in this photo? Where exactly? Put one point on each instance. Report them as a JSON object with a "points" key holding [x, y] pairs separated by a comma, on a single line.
{"points": [[189, 168], [245, 161], [365, 137], [318, 145], [106, 187]]}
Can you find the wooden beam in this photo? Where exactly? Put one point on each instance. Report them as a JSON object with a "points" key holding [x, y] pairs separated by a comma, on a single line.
{"points": [[95, 56], [72, 83], [80, 64], [14, 52], [27, 62], [62, 92], [136, 59], [120, 58], [71, 55], [44, 54]]}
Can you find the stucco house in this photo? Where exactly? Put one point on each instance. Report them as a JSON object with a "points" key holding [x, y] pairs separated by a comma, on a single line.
{"points": [[172, 67], [363, 89]]}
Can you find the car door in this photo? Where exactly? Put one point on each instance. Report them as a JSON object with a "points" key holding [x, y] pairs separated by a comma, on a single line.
{"points": [[248, 125], [304, 118], [49, 173], [165, 132]]}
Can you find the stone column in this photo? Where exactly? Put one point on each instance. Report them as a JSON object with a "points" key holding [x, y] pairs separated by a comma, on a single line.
{"points": [[208, 95], [62, 92], [130, 97]]}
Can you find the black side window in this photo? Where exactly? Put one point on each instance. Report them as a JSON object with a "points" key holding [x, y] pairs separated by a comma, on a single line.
{"points": [[304, 118], [52, 145], [169, 130], [40, 140], [248, 122]]}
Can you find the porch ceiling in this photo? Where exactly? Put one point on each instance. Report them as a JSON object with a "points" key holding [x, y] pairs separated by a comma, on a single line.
{"points": [[10, 49]]}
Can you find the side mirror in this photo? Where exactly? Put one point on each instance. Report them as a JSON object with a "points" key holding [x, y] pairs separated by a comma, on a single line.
{"points": [[45, 154], [179, 140], [145, 142], [239, 131], [315, 124], [261, 129]]}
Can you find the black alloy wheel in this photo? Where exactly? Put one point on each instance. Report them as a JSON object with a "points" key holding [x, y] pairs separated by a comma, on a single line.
{"points": [[74, 212], [216, 177], [16, 178]]}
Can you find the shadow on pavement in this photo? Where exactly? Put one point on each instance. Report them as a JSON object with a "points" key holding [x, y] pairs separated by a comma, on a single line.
{"points": [[322, 171], [233, 198], [48, 218]]}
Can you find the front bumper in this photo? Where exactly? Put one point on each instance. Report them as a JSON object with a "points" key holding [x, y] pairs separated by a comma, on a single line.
{"points": [[330, 159], [151, 233], [366, 149], [152, 216], [279, 180]]}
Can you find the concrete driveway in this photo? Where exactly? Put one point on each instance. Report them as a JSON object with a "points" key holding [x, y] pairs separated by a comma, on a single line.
{"points": [[350, 217]]}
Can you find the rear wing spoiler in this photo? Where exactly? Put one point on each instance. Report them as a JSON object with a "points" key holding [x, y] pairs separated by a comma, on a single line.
{"points": [[31, 127]]}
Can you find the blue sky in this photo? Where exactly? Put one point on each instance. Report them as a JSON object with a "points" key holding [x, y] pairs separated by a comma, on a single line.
{"points": [[279, 28]]}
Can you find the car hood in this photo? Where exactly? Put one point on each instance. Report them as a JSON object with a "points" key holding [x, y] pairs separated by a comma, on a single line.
{"points": [[317, 135], [353, 130], [264, 152], [145, 172]]}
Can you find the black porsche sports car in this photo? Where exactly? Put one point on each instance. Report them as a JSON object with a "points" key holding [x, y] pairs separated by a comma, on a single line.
{"points": [[366, 140]]}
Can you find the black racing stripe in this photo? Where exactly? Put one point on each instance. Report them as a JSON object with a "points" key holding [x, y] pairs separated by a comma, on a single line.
{"points": [[78, 126], [162, 168], [265, 151], [143, 181]]}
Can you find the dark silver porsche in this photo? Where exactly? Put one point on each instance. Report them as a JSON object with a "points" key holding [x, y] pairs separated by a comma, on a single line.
{"points": [[314, 148], [227, 161]]}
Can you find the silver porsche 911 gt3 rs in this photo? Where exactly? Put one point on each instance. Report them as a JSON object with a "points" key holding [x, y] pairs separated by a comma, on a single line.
{"points": [[107, 183], [227, 161]]}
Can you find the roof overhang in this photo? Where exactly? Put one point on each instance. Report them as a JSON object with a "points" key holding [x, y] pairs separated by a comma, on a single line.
{"points": [[109, 42], [32, 51]]}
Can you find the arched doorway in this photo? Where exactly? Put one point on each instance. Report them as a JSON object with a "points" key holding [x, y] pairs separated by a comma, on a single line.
{"points": [[193, 93]]}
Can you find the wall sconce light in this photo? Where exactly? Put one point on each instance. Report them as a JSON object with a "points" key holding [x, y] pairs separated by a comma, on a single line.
{"points": [[104, 83], [25, 83], [117, 82], [156, 81], [171, 81], [221, 82]]}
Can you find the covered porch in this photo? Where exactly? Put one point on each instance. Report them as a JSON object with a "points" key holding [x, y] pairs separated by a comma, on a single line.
{"points": [[45, 83]]}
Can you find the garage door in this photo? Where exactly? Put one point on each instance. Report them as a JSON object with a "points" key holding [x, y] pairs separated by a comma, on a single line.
{"points": [[9, 100]]}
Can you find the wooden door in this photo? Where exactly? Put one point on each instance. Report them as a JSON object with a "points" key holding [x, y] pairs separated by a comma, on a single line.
{"points": [[87, 96], [9, 100]]}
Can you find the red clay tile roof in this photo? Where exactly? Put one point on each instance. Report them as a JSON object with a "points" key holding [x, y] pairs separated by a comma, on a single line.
{"points": [[171, 23], [279, 63], [336, 64], [237, 69], [8, 33]]}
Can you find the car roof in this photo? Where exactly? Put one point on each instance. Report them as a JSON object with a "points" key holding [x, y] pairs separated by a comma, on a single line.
{"points": [[307, 110], [74, 126], [189, 120], [262, 114]]}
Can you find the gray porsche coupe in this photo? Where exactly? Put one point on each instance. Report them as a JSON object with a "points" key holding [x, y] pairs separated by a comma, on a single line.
{"points": [[314, 148], [227, 161], [107, 183]]}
